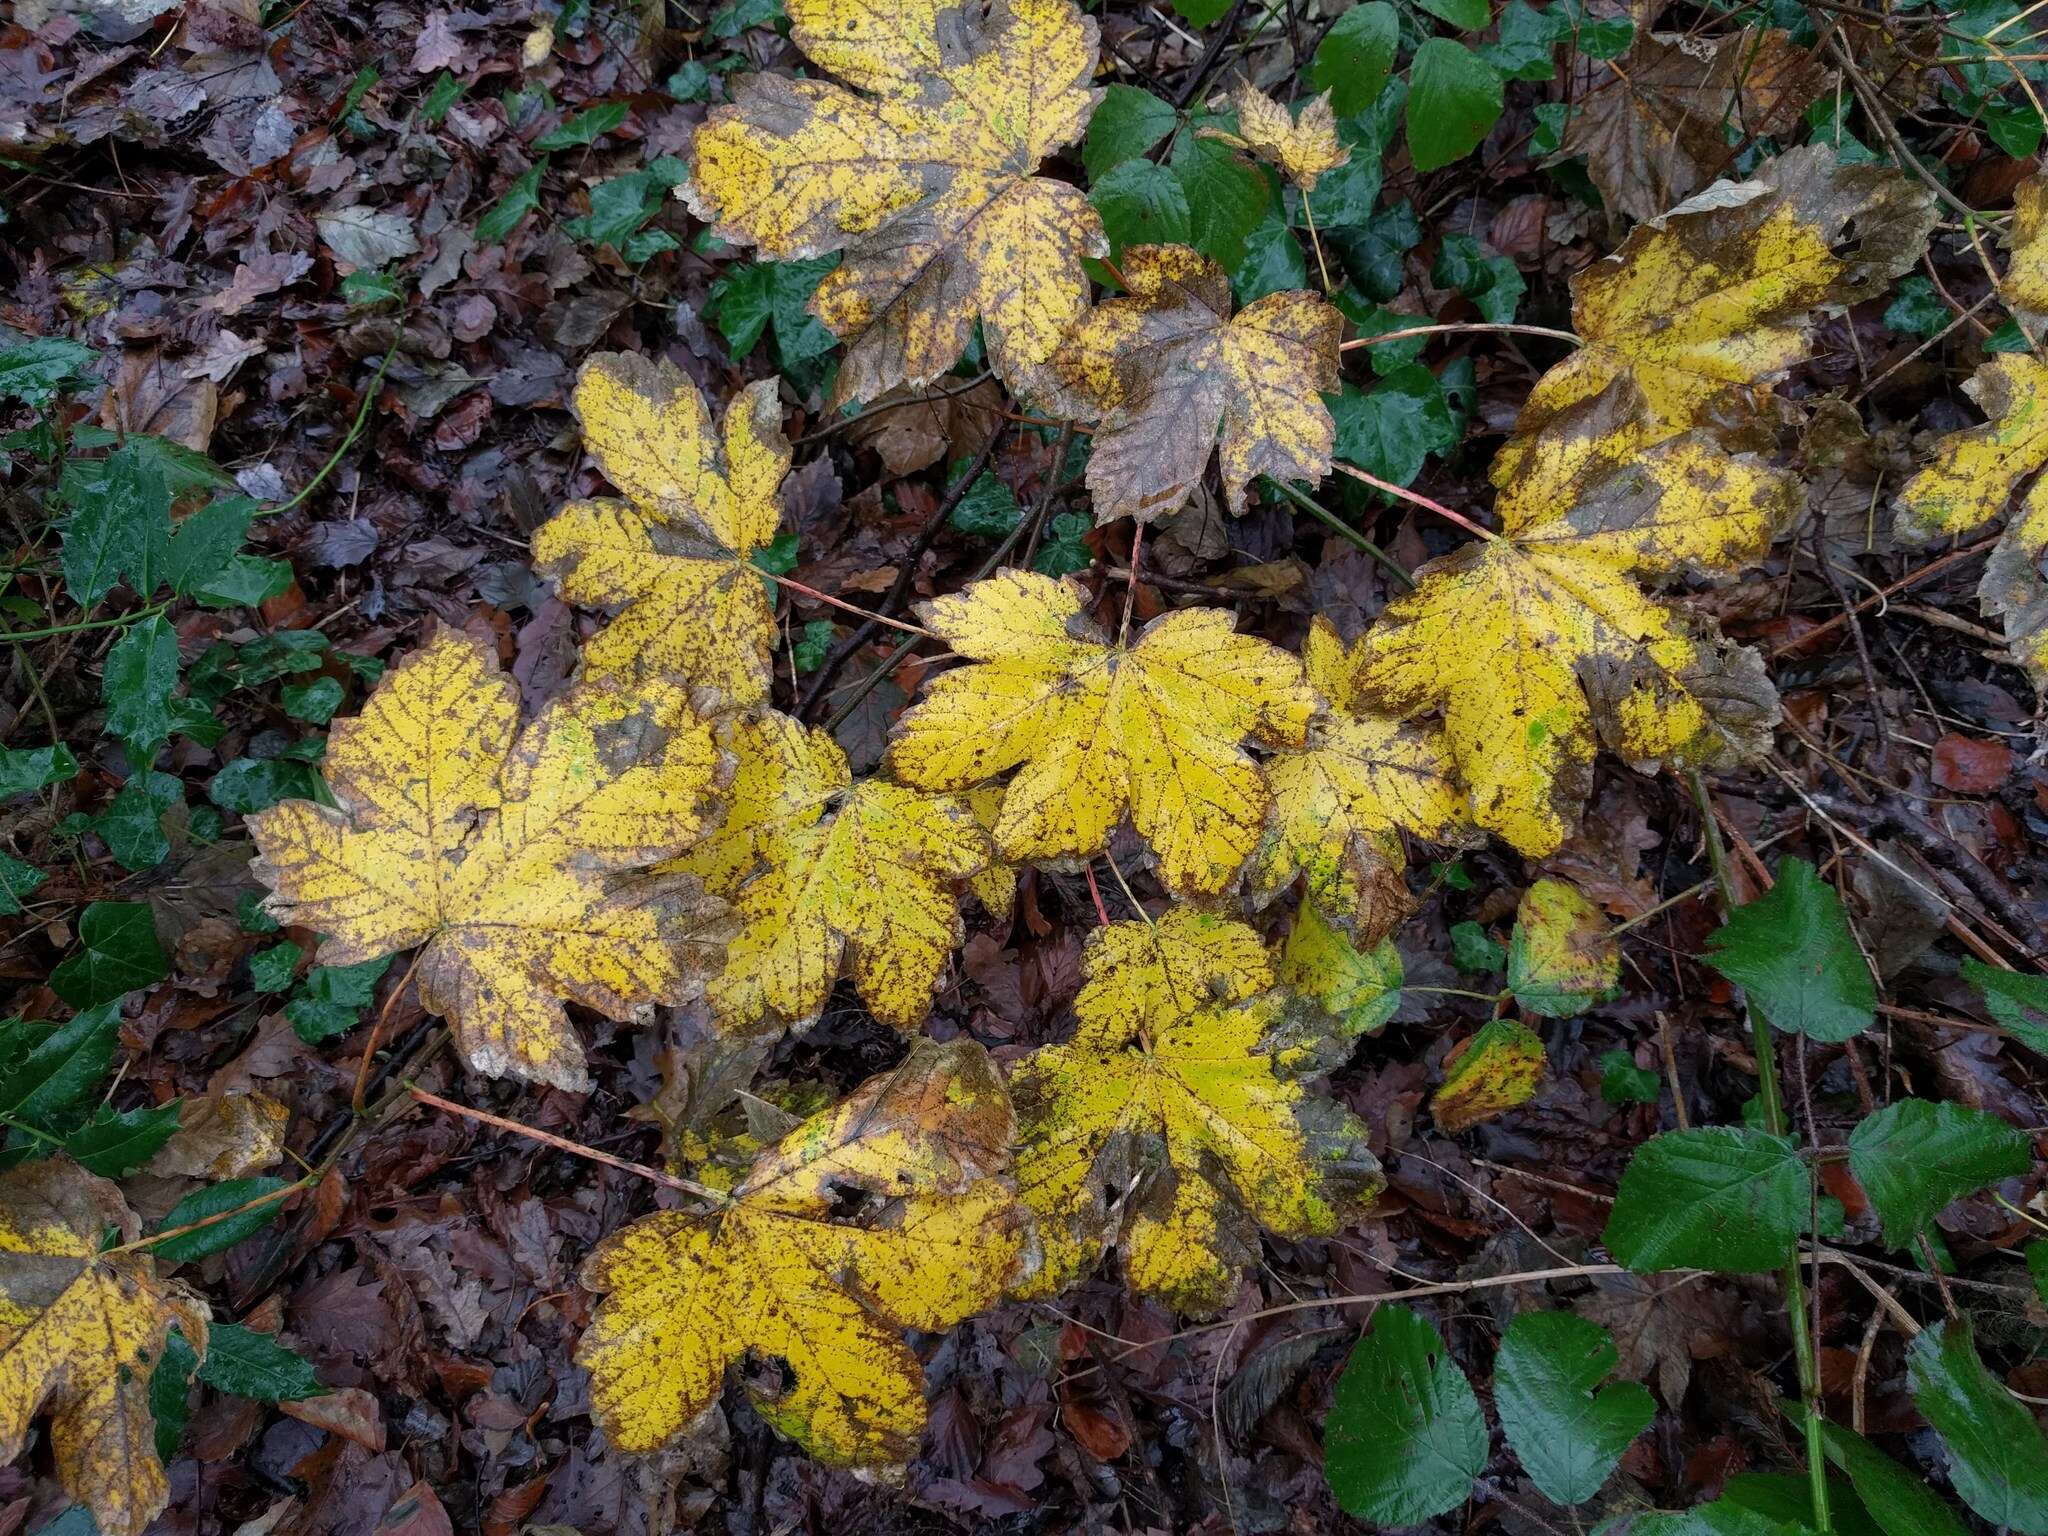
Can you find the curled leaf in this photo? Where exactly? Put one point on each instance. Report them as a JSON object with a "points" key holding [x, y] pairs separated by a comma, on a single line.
{"points": [[1303, 148], [1496, 1070]]}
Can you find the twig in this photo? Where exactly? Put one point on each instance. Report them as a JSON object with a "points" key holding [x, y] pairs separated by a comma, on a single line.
{"points": [[573, 1148], [1475, 325], [1416, 498]]}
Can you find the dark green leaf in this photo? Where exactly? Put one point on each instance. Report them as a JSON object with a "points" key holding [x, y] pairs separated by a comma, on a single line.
{"points": [[1623, 1082], [1142, 204], [331, 1000], [1792, 952], [443, 94], [690, 82], [1729, 1200], [810, 648], [63, 1068], [753, 296], [1527, 47], [1454, 99], [1998, 1457], [116, 1142], [30, 768], [1474, 952], [170, 1394], [118, 953], [2017, 1002], [1466, 15], [586, 127], [1065, 549], [1227, 197], [36, 372], [1597, 37], [247, 581], [1787, 1499], [1126, 124], [249, 784], [1899, 1501], [254, 1365], [1913, 1157], [778, 556], [741, 15], [1405, 1438], [1917, 308], [620, 206], [1392, 431], [1355, 56], [986, 510], [120, 526], [204, 544], [132, 824], [17, 882], [141, 672], [520, 199], [2037, 1266], [272, 970], [1202, 13], [214, 1200], [314, 701], [1372, 253], [1482, 274], [1273, 263], [1567, 1428]]}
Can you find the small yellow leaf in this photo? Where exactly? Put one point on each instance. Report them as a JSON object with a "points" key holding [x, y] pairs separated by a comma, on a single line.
{"points": [[1173, 376], [1705, 305], [1177, 1123], [1359, 988], [81, 1333], [2026, 278], [1341, 803], [1562, 959], [1304, 148], [505, 855], [671, 560], [892, 1211], [1495, 1071], [1097, 730], [925, 181], [863, 874]]}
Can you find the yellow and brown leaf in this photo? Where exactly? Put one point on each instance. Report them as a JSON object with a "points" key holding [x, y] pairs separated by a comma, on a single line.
{"points": [[1096, 731], [894, 1210], [1303, 148], [920, 169], [507, 857]]}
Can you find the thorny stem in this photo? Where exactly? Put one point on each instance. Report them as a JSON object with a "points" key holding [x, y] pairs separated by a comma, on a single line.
{"points": [[1773, 1103], [574, 1148], [1439, 330], [1415, 498], [1342, 529]]}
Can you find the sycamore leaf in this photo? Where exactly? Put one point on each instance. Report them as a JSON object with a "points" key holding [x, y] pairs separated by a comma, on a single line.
{"points": [[1096, 730], [1359, 988], [81, 1332], [503, 855], [1173, 376], [1561, 959], [1303, 148], [1341, 803], [891, 1211], [1533, 641], [1176, 1123], [1496, 1070], [996, 886], [1708, 303], [862, 874], [672, 558], [2026, 278], [1972, 479], [920, 169]]}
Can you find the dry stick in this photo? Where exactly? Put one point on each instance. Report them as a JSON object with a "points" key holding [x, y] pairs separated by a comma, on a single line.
{"points": [[1440, 330], [355, 1099], [886, 407], [1416, 498], [1775, 1122], [899, 589], [841, 603], [1834, 581], [1911, 578], [1212, 54], [563, 1144]]}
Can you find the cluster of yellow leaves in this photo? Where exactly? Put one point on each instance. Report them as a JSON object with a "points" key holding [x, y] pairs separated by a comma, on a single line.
{"points": [[920, 169], [81, 1332]]}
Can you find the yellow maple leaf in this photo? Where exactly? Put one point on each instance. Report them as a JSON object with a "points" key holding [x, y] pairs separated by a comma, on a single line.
{"points": [[1173, 376], [922, 174], [995, 887], [1360, 988], [1533, 640], [1177, 1122], [81, 1333], [1496, 1070], [2025, 287], [503, 855], [1341, 803], [1705, 305], [864, 874], [1971, 480], [1303, 148], [892, 1211], [1561, 957], [1096, 729], [671, 560]]}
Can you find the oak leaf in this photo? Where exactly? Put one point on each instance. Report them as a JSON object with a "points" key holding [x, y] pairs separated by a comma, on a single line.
{"points": [[1702, 307], [505, 856], [1173, 376], [1534, 640], [1971, 480], [1177, 1121], [81, 1332], [920, 169], [893, 1210], [825, 872], [1303, 148], [1341, 803], [1096, 730], [671, 560]]}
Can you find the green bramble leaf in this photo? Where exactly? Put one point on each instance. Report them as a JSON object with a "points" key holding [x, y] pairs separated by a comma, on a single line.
{"points": [[1405, 1439], [1914, 1157], [1721, 1198], [1568, 1429], [1791, 951]]}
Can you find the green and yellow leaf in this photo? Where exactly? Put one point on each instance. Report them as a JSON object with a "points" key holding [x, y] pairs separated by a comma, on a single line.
{"points": [[506, 857], [1097, 731], [892, 1211], [1359, 988], [1497, 1070], [2025, 287], [671, 560], [1562, 958]]}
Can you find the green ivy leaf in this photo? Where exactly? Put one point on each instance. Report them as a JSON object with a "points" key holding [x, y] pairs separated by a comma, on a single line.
{"points": [[272, 970], [17, 882], [141, 673], [1917, 308], [586, 127], [1791, 951], [1405, 1439], [813, 645], [250, 784], [254, 1365], [118, 954], [119, 528], [520, 199], [1998, 1457], [214, 1200], [331, 1000], [1065, 549], [1474, 952], [24, 769], [1913, 1157], [314, 701], [1373, 253], [755, 296], [1391, 431], [170, 1395], [204, 545], [1356, 55], [987, 509], [1527, 46], [1465, 15], [1721, 1198], [620, 206], [132, 826], [1454, 99], [1567, 1428], [1482, 274]]}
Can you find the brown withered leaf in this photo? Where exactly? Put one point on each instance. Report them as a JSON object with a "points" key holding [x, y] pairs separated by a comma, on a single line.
{"points": [[913, 429]]}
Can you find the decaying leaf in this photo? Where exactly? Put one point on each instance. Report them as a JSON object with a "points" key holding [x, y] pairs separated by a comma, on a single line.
{"points": [[922, 174], [1303, 148], [503, 855], [1711, 301], [1971, 480], [1534, 640], [1096, 730], [1654, 124], [81, 1331], [865, 874], [892, 1211], [1177, 1122], [1341, 803], [1360, 988], [225, 1136], [671, 560], [1562, 958], [2025, 287], [1495, 1071], [1172, 376]]}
